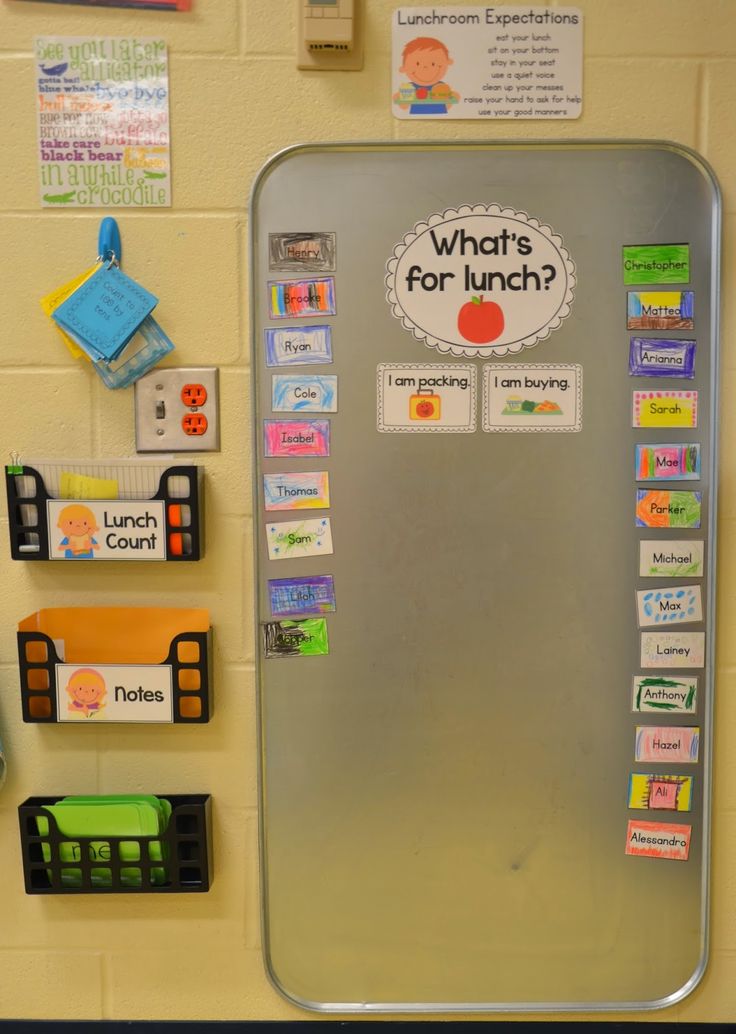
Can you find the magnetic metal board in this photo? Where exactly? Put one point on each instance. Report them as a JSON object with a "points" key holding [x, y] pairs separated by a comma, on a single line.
{"points": [[444, 795]]}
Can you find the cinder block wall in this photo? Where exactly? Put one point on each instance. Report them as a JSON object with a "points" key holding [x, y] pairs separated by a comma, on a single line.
{"points": [[659, 69]]}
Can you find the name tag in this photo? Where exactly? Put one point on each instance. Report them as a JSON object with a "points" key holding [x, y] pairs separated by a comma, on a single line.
{"points": [[296, 437], [656, 264], [660, 792], [671, 743], [292, 539], [676, 558], [661, 357], [662, 509], [665, 409], [668, 462], [298, 491], [658, 693], [308, 393], [673, 649], [298, 346], [660, 310], [672, 606], [658, 840]]}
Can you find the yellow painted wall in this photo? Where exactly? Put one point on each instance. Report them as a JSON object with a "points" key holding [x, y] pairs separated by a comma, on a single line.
{"points": [[653, 69]]}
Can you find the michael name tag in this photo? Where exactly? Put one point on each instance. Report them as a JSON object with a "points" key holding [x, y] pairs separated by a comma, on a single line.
{"points": [[675, 558]]}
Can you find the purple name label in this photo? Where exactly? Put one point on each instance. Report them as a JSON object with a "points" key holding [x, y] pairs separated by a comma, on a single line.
{"points": [[661, 357], [313, 595]]}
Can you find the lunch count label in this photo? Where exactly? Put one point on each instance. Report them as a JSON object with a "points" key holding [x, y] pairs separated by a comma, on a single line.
{"points": [[426, 398], [114, 693], [539, 397], [119, 529], [658, 840], [480, 280]]}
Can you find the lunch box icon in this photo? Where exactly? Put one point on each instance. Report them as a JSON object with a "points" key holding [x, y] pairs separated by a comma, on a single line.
{"points": [[425, 405]]}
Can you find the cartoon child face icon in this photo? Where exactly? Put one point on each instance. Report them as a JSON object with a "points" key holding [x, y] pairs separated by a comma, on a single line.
{"points": [[87, 690], [426, 61], [78, 525]]}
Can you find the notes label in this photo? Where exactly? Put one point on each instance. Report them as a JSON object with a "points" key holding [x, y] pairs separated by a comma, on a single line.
{"points": [[673, 649], [298, 346], [296, 438], [310, 595], [661, 357], [290, 299], [658, 840], [658, 693], [114, 693], [656, 508], [662, 558], [289, 540], [678, 462], [660, 310], [309, 490], [665, 409], [660, 792], [674, 744], [656, 264], [678, 605], [304, 637], [308, 393]]}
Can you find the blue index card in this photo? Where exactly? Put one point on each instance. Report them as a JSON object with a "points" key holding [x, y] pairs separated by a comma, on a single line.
{"points": [[105, 312]]}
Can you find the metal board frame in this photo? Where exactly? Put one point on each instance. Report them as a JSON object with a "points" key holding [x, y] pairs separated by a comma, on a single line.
{"points": [[441, 832]]}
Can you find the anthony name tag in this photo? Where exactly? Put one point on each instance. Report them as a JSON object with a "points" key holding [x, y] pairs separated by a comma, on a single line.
{"points": [[120, 529], [658, 693], [114, 693], [658, 840]]}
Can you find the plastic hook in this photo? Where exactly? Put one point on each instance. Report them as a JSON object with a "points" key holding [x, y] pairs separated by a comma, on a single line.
{"points": [[109, 245]]}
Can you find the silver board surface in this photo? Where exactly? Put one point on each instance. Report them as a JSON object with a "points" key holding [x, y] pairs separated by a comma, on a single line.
{"points": [[444, 795]]}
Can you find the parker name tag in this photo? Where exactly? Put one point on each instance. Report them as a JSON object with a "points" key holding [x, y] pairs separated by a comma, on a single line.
{"points": [[656, 508], [296, 438], [658, 840], [658, 693], [661, 357], [671, 743], [298, 491], [426, 398], [657, 264], [678, 558], [668, 462], [114, 693], [660, 792], [123, 529], [293, 252], [679, 605], [308, 393], [673, 649], [298, 346], [665, 409], [301, 638], [660, 310], [308, 596], [536, 397], [293, 539]]}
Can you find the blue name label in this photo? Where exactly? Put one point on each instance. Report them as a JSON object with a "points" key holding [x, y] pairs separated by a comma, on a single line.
{"points": [[308, 393], [661, 357], [312, 595], [298, 346]]}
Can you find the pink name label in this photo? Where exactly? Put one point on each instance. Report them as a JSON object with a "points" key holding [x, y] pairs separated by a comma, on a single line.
{"points": [[296, 437], [667, 743], [658, 840]]}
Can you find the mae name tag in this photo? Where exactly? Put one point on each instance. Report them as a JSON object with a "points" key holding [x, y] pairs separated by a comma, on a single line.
{"points": [[670, 462], [663, 558], [114, 693], [658, 840], [658, 693], [665, 409], [119, 529]]}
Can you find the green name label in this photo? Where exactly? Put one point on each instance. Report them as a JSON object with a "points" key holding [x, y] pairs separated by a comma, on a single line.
{"points": [[657, 264], [306, 637]]}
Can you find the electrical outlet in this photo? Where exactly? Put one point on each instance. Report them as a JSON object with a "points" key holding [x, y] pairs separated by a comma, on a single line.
{"points": [[176, 410]]}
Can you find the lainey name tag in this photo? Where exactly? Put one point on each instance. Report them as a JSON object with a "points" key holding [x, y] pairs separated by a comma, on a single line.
{"points": [[308, 393], [673, 649], [676, 744], [658, 693], [661, 357], [665, 409], [298, 346], [662, 558], [426, 398], [120, 529], [289, 540], [299, 491], [658, 840], [114, 693], [537, 397], [676, 606], [660, 792]]}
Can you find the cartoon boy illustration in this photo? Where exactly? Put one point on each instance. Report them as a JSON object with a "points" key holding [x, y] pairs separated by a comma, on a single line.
{"points": [[87, 690], [78, 524], [425, 61]]}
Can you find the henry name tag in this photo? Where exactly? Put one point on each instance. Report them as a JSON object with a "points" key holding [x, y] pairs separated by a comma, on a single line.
{"points": [[311, 595], [537, 397], [676, 606], [298, 346], [660, 792], [661, 357], [296, 438], [677, 744], [298, 491], [658, 840], [662, 558], [426, 398], [665, 409], [673, 649], [114, 693], [289, 252], [668, 462], [105, 529], [308, 393], [293, 539], [656, 508], [657, 693], [656, 264], [660, 310]]}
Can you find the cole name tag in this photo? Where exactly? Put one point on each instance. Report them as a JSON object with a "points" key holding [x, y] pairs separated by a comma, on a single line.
{"points": [[308, 393], [114, 693], [117, 529]]}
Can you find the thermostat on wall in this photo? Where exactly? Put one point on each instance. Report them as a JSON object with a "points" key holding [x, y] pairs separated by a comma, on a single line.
{"points": [[328, 35]]}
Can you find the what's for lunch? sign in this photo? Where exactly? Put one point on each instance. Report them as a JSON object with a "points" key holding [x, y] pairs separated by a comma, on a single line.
{"points": [[480, 280]]}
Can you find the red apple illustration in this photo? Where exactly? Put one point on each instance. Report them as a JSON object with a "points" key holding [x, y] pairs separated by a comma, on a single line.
{"points": [[479, 321]]}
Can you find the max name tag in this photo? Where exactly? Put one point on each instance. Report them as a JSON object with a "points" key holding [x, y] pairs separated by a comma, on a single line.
{"points": [[665, 409], [657, 693], [658, 840], [114, 693], [675, 606], [107, 530], [662, 558]]}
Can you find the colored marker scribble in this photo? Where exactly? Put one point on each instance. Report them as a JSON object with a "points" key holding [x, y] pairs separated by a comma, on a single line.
{"points": [[660, 310], [668, 462], [289, 299], [662, 509], [296, 437]]}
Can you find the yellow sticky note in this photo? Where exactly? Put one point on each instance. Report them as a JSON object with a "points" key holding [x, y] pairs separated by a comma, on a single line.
{"points": [[52, 301], [80, 486]]}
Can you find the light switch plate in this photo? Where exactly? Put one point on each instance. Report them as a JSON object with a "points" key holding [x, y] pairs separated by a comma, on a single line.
{"points": [[177, 410]]}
